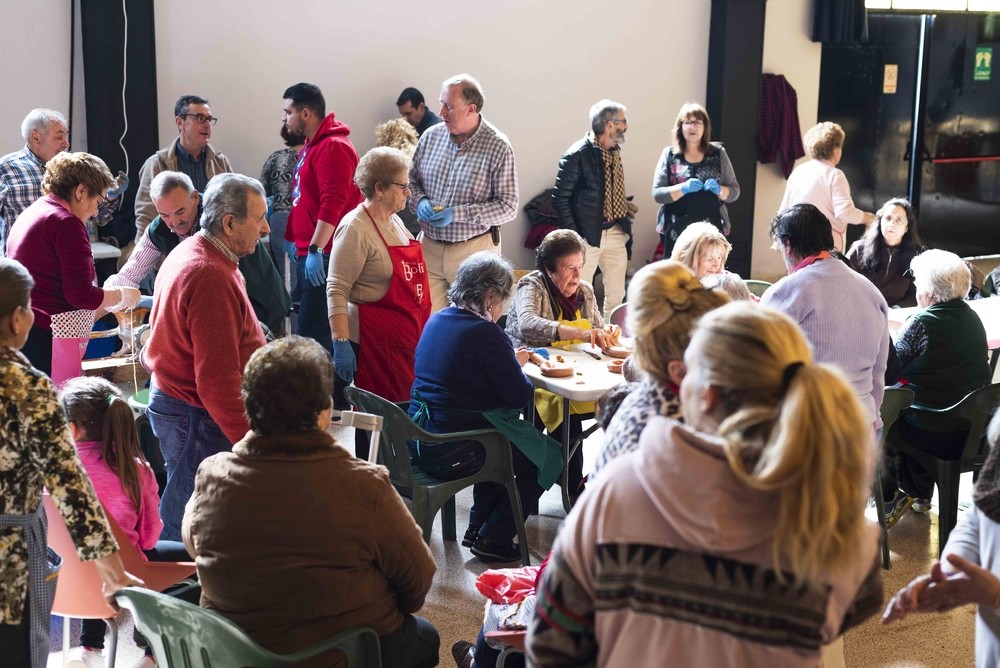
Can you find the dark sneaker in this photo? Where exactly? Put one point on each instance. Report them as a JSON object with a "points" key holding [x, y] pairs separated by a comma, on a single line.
{"points": [[896, 508], [471, 534], [462, 652], [488, 551], [921, 505]]}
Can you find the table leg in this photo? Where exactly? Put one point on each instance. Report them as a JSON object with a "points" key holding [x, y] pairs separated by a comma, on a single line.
{"points": [[567, 504]]}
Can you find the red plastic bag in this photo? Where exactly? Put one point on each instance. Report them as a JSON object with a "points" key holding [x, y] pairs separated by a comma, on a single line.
{"points": [[507, 585]]}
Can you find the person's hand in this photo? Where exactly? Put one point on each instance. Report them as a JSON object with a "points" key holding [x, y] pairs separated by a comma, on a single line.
{"points": [[130, 298], [314, 269], [712, 186], [425, 210], [522, 354], [970, 583], [291, 251], [109, 589], [600, 338], [631, 209], [442, 219], [345, 363], [692, 186], [907, 599]]}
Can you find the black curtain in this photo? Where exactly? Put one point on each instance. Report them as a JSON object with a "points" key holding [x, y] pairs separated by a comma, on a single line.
{"points": [[840, 22]]}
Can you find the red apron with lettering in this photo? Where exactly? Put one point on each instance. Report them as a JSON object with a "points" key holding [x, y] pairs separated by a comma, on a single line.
{"points": [[390, 327]]}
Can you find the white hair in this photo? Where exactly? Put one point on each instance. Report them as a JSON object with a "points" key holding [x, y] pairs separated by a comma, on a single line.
{"points": [[40, 119], [942, 274]]}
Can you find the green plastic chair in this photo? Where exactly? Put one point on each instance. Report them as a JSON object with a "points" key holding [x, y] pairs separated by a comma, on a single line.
{"points": [[756, 288], [975, 409], [430, 494], [894, 401], [186, 636]]}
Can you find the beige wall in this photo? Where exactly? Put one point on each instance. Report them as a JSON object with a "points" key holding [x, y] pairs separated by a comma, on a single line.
{"points": [[542, 64], [789, 52]]}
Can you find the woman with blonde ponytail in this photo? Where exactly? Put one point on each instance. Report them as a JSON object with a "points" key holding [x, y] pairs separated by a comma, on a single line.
{"points": [[735, 539]]}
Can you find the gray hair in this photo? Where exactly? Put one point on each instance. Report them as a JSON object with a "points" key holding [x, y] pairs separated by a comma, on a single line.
{"points": [[228, 193], [942, 274], [602, 112], [731, 284], [482, 274], [167, 182], [40, 119], [379, 165], [472, 92]]}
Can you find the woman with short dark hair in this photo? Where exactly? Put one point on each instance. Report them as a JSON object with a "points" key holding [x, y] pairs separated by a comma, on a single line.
{"points": [[295, 539], [50, 239]]}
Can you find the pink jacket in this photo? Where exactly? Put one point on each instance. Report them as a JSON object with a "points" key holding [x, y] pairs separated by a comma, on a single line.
{"points": [[819, 183], [141, 525]]}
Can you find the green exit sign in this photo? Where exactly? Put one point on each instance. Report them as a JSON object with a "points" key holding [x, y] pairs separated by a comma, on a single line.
{"points": [[984, 63]]}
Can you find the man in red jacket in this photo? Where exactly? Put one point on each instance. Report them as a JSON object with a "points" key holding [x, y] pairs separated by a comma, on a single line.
{"points": [[323, 192]]}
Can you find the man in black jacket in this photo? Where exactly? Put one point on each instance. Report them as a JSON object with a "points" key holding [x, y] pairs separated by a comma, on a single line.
{"points": [[590, 199]]}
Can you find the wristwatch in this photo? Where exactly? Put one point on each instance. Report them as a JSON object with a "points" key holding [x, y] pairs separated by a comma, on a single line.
{"points": [[313, 248]]}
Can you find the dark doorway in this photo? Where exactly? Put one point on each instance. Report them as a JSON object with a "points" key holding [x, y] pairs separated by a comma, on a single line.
{"points": [[957, 184]]}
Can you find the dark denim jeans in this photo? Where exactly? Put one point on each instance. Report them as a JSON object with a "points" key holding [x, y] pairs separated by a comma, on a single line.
{"points": [[187, 436], [314, 319]]}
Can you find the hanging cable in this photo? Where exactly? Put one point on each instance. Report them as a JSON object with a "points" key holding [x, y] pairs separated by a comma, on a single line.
{"points": [[121, 140]]}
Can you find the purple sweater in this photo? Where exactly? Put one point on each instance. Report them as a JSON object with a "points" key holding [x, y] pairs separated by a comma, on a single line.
{"points": [[845, 319], [141, 525], [53, 246]]}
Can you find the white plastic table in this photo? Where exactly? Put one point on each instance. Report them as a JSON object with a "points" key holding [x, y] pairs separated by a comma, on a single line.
{"points": [[589, 383]]}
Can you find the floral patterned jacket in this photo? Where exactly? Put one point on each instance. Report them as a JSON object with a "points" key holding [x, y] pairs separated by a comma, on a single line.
{"points": [[36, 450]]}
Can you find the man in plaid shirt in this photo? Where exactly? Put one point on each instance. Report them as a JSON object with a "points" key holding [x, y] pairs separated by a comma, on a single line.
{"points": [[463, 185], [45, 133]]}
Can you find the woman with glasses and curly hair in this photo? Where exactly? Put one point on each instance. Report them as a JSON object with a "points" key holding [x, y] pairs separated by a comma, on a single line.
{"points": [[883, 254], [50, 239], [694, 179]]}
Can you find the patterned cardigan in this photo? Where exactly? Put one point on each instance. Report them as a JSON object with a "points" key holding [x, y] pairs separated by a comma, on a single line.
{"points": [[36, 450]]}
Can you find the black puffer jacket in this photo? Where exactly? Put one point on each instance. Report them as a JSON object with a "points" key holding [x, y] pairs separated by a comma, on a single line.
{"points": [[579, 193]]}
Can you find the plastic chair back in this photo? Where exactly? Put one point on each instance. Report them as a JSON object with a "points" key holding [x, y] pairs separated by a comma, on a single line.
{"points": [[756, 288], [975, 409], [186, 636], [617, 317], [430, 494], [894, 401], [78, 588]]}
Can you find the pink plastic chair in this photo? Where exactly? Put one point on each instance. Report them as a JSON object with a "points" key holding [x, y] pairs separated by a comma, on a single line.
{"points": [[78, 589]]}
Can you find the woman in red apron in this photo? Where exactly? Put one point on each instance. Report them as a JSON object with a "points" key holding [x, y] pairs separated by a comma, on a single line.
{"points": [[377, 286]]}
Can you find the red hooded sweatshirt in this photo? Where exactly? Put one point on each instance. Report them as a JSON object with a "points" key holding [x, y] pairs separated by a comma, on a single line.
{"points": [[323, 187]]}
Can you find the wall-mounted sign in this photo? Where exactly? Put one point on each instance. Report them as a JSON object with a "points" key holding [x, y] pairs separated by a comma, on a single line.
{"points": [[983, 64], [889, 79]]}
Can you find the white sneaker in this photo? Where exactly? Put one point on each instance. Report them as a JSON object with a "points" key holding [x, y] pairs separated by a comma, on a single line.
{"points": [[145, 662], [81, 657]]}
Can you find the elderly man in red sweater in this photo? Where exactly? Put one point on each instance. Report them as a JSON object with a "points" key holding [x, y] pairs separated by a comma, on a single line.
{"points": [[203, 332]]}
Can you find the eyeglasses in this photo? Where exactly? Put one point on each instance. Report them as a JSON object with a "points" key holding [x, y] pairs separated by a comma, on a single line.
{"points": [[693, 123], [201, 118], [404, 186]]}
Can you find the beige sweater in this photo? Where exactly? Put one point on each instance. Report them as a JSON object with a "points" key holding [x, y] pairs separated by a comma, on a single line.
{"points": [[360, 267]]}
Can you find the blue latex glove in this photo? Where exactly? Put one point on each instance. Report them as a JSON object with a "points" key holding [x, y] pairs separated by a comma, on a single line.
{"points": [[291, 251], [314, 269], [146, 301], [542, 352], [692, 186], [442, 219], [344, 361], [712, 186], [425, 210]]}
